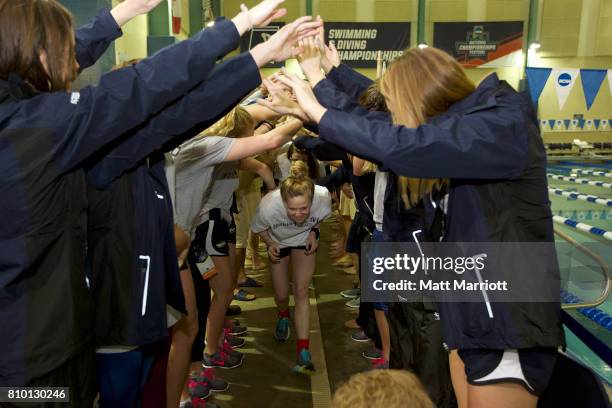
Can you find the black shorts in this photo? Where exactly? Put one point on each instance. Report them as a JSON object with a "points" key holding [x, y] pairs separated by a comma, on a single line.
{"points": [[212, 238], [287, 251], [531, 367]]}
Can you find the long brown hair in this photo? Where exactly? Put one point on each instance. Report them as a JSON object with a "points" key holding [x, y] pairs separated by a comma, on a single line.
{"points": [[419, 85], [31, 27]]}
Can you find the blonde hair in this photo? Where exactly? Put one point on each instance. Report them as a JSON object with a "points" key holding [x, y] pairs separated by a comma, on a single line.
{"points": [[237, 123], [382, 388], [298, 183], [419, 85]]}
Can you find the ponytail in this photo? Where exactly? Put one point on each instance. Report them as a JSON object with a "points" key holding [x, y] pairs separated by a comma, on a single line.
{"points": [[298, 183]]}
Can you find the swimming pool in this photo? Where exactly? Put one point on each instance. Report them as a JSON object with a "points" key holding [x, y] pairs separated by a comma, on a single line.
{"points": [[586, 282]]}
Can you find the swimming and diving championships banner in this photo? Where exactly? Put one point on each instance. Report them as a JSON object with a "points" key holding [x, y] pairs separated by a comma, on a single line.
{"points": [[479, 44], [358, 43]]}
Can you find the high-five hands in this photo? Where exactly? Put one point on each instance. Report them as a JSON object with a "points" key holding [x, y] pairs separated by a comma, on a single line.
{"points": [[280, 100], [310, 59], [306, 99], [281, 45]]}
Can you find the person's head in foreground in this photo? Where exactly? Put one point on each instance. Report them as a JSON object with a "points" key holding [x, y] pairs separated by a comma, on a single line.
{"points": [[384, 389]]}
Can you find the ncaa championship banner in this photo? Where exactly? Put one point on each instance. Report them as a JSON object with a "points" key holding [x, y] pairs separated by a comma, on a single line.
{"points": [[476, 44], [259, 35], [358, 43]]}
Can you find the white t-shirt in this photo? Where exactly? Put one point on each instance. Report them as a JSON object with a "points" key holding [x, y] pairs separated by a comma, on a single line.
{"points": [[272, 216], [194, 165]]}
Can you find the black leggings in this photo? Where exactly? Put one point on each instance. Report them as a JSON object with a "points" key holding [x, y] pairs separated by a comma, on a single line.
{"points": [[202, 294]]}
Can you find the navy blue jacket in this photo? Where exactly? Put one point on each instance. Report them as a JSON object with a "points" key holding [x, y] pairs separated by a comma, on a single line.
{"points": [[130, 233], [490, 147], [45, 305]]}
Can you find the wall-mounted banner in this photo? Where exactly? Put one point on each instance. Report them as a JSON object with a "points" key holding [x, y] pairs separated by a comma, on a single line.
{"points": [[603, 125], [259, 35], [610, 80], [564, 80], [359, 43], [591, 82], [536, 78], [477, 43]]}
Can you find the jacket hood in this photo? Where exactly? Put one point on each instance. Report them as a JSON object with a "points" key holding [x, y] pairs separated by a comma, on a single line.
{"points": [[494, 92], [15, 88]]}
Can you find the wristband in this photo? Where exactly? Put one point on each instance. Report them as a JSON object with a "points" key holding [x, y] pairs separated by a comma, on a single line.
{"points": [[316, 231]]}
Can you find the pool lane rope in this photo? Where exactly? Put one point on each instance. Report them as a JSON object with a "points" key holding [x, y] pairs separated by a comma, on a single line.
{"points": [[595, 173], [600, 317], [580, 181], [583, 227], [584, 197]]}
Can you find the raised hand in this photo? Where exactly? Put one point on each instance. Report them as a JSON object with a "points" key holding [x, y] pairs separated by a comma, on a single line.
{"points": [[258, 16], [310, 59], [127, 10], [329, 54], [304, 95], [280, 101], [282, 45], [262, 14]]}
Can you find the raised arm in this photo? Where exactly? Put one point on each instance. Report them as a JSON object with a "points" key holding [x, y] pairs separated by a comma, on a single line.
{"points": [[259, 168], [84, 122]]}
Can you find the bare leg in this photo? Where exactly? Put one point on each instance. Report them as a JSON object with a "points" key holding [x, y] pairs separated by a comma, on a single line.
{"points": [[460, 384], [222, 285], [383, 329], [240, 258], [258, 263], [502, 395], [280, 283], [183, 335], [303, 268]]}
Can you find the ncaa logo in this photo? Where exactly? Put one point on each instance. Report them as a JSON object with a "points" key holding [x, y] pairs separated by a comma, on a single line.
{"points": [[564, 79]]}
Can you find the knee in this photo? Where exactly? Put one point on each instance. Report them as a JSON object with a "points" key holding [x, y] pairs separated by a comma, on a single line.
{"points": [[301, 294]]}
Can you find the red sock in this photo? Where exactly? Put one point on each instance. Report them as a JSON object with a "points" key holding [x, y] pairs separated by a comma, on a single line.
{"points": [[303, 344], [283, 313]]}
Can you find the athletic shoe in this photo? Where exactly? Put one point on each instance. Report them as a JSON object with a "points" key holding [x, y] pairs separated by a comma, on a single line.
{"points": [[214, 383], [372, 354], [221, 359], [233, 310], [304, 363], [380, 364], [235, 329], [198, 389], [202, 403], [228, 349], [351, 293], [235, 326], [282, 329], [234, 341], [359, 336], [353, 303]]}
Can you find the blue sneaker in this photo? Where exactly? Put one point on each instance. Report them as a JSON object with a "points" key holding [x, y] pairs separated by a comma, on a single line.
{"points": [[282, 329], [304, 363]]}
